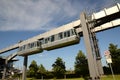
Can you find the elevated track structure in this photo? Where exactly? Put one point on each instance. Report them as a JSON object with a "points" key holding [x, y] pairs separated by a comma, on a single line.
{"points": [[69, 34]]}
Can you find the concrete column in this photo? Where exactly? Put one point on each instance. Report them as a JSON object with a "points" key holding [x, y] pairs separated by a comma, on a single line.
{"points": [[99, 64], [5, 68], [24, 68], [93, 70]]}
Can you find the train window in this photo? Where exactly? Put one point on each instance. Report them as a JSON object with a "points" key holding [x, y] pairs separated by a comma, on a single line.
{"points": [[32, 45], [68, 33], [60, 35], [41, 41], [65, 34], [46, 40], [24, 47], [75, 32], [20, 48], [35, 44], [52, 38], [28, 46], [38, 43]]}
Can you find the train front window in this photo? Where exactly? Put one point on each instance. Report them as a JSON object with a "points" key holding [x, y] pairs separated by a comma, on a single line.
{"points": [[72, 32]]}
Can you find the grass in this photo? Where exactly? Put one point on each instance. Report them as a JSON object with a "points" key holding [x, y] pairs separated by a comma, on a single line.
{"points": [[58, 79], [74, 79], [106, 77], [109, 77]]}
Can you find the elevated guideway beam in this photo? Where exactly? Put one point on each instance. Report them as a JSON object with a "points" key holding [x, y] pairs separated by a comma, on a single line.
{"points": [[12, 47], [106, 26], [106, 15]]}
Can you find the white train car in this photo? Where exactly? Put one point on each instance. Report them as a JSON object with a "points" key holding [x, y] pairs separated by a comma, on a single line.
{"points": [[30, 48], [62, 39]]}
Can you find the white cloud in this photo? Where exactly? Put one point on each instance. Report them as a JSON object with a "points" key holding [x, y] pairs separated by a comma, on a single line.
{"points": [[37, 14]]}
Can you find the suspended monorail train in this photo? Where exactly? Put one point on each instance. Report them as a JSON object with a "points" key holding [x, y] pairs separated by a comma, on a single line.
{"points": [[30, 48], [61, 39]]}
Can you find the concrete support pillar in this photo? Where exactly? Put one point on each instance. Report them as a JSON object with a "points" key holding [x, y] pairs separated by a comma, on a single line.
{"points": [[5, 69], [100, 68], [24, 68], [93, 70]]}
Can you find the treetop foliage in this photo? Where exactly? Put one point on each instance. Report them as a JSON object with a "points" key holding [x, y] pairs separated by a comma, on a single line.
{"points": [[59, 67], [81, 65], [115, 54], [41, 69]]}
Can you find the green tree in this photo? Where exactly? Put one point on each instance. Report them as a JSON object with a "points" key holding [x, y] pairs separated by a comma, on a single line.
{"points": [[81, 65], [41, 71], [59, 68], [115, 54], [33, 68]]}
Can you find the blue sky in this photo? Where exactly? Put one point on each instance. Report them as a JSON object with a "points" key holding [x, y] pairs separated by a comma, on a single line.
{"points": [[23, 19]]}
